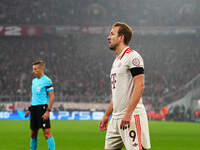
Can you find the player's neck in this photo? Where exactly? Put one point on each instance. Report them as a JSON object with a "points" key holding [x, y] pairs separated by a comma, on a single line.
{"points": [[119, 49], [41, 75]]}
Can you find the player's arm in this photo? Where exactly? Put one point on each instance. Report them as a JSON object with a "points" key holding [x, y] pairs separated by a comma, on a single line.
{"points": [[135, 98], [104, 121], [28, 109], [51, 101], [136, 93]]}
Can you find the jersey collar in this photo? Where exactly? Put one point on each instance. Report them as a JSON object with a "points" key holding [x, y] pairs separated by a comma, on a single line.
{"points": [[123, 52], [41, 77]]}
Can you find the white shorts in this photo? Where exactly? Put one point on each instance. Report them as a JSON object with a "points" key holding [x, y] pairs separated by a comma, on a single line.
{"points": [[133, 138]]}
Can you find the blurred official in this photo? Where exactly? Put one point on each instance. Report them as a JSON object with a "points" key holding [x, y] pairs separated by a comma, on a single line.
{"points": [[41, 104]]}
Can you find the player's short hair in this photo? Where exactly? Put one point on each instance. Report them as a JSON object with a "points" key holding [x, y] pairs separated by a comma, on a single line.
{"points": [[125, 30], [40, 63]]}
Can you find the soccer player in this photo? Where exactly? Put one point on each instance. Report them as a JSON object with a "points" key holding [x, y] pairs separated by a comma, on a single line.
{"points": [[41, 104], [129, 125]]}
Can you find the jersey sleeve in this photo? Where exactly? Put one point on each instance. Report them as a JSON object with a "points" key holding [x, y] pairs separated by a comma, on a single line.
{"points": [[135, 64], [135, 61], [49, 85]]}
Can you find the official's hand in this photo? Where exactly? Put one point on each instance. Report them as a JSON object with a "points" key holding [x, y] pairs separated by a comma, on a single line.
{"points": [[125, 123], [26, 113], [103, 123], [46, 115]]}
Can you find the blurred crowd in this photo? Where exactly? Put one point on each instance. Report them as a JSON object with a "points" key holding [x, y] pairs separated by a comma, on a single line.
{"points": [[175, 113], [75, 72], [100, 12], [79, 66], [171, 62]]}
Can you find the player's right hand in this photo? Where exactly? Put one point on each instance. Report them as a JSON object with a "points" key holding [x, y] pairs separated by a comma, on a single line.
{"points": [[26, 113], [103, 123]]}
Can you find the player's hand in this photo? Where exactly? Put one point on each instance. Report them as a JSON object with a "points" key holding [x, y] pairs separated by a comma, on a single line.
{"points": [[103, 123], [26, 113], [125, 123], [46, 115]]}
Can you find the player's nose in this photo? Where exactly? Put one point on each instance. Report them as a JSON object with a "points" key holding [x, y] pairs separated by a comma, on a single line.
{"points": [[108, 37]]}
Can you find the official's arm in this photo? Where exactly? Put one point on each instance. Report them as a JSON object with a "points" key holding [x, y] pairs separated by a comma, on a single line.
{"points": [[51, 101]]}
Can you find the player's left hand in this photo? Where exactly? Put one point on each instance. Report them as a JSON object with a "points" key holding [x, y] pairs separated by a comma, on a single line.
{"points": [[46, 115], [125, 123]]}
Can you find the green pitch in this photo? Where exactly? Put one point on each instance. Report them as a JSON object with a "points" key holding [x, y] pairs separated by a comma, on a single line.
{"points": [[84, 135]]}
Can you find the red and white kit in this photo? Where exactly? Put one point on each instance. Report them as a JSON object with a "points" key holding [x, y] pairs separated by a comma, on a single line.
{"points": [[137, 136]]}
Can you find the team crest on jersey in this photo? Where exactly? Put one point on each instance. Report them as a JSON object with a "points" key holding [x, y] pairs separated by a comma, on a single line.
{"points": [[136, 62], [38, 89]]}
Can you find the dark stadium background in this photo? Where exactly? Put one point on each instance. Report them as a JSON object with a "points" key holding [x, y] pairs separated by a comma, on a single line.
{"points": [[70, 35]]}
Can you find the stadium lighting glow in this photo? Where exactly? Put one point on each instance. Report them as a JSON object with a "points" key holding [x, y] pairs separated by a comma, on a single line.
{"points": [[198, 102]]}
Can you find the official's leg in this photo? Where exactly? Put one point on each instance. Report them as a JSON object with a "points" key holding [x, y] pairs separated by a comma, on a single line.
{"points": [[34, 129], [34, 140], [49, 138], [47, 133]]}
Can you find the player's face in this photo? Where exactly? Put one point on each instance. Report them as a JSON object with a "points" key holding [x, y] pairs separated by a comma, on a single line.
{"points": [[113, 38], [37, 70]]}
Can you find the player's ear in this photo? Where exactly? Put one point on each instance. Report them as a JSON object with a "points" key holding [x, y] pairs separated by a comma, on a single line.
{"points": [[122, 37]]}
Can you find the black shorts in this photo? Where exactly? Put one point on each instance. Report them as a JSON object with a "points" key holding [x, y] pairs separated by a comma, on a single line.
{"points": [[36, 120]]}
